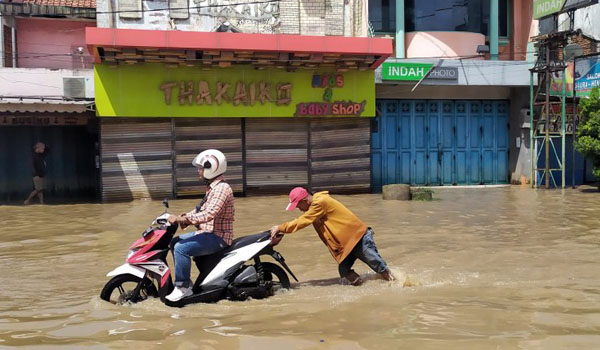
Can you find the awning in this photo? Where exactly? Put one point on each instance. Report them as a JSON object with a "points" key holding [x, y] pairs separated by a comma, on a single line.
{"points": [[44, 105], [223, 49]]}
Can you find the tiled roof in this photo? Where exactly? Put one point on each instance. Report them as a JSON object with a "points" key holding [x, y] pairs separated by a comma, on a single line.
{"points": [[66, 3]]}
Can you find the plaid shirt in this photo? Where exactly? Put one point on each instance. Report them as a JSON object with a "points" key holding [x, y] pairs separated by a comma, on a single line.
{"points": [[216, 213]]}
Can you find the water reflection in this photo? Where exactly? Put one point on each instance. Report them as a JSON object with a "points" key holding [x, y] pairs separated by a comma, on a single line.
{"points": [[485, 269]]}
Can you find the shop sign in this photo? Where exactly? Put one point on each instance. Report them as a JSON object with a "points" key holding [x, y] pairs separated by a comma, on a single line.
{"points": [[404, 71], [152, 90], [543, 8], [29, 120], [443, 73], [588, 74]]}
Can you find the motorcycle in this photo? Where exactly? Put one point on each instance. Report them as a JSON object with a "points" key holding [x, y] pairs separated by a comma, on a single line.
{"points": [[227, 274]]}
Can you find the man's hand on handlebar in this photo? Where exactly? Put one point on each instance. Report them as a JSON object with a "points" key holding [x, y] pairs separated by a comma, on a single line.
{"points": [[181, 220], [276, 235]]}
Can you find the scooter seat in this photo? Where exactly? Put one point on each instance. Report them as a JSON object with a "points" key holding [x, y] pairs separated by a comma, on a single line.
{"points": [[246, 240]]}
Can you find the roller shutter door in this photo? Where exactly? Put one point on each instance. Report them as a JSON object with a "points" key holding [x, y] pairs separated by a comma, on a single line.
{"points": [[276, 154], [340, 155], [136, 159], [193, 135]]}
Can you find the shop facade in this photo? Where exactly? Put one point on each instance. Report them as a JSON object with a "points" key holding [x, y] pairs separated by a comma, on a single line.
{"points": [[450, 123], [286, 110]]}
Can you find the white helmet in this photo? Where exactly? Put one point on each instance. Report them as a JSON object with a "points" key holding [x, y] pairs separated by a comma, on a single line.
{"points": [[213, 161]]}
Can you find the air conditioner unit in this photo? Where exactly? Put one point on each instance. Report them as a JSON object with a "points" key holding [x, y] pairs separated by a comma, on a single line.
{"points": [[78, 87]]}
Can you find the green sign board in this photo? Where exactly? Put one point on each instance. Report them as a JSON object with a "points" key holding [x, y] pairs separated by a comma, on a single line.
{"points": [[543, 8], [153, 90], [404, 71]]}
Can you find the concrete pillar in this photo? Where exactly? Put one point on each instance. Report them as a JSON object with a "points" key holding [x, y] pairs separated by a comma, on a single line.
{"points": [[1, 41], [493, 30], [400, 49]]}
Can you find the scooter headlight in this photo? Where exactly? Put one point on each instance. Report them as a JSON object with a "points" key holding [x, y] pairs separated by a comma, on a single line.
{"points": [[130, 253]]}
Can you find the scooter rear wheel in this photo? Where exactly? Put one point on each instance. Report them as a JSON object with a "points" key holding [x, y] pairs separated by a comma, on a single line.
{"points": [[277, 276], [119, 290]]}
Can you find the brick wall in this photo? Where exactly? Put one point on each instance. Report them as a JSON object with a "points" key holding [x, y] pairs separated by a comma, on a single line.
{"points": [[588, 44]]}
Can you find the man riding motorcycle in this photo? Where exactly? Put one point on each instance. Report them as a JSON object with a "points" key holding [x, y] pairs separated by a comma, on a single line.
{"points": [[213, 218]]}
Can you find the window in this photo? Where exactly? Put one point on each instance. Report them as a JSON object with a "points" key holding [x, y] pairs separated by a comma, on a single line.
{"points": [[439, 15], [382, 14]]}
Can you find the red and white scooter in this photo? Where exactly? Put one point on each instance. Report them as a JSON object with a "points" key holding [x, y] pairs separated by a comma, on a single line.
{"points": [[235, 273]]}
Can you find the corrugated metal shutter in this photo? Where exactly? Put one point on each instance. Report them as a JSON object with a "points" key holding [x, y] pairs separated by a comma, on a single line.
{"points": [[193, 135], [276, 154], [340, 155], [136, 159]]}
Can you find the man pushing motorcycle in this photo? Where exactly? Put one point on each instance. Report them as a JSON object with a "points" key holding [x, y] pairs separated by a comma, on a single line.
{"points": [[346, 237], [213, 218]]}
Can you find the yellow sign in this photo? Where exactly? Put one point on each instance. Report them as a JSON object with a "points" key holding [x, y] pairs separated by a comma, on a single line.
{"points": [[152, 90]]}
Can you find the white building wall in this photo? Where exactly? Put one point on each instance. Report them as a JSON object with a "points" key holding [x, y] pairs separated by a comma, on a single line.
{"points": [[307, 17], [39, 82]]}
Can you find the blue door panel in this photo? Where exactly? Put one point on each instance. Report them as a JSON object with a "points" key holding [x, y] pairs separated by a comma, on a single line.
{"points": [[433, 175], [391, 136], [474, 168], [405, 139], [405, 167], [376, 167], [391, 168], [461, 131], [447, 168], [474, 132], [461, 167], [501, 132], [488, 131], [488, 167], [420, 168], [420, 132]]}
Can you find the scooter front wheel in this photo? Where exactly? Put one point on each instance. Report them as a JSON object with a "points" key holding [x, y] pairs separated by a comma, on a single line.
{"points": [[120, 290]]}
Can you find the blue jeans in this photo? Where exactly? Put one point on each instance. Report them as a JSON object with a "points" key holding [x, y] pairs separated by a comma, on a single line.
{"points": [[189, 245], [366, 251]]}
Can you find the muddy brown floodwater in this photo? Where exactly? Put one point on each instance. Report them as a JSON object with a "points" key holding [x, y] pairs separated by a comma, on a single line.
{"points": [[503, 268]]}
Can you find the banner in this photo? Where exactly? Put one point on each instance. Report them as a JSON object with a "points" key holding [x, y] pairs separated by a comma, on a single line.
{"points": [[587, 74], [153, 90]]}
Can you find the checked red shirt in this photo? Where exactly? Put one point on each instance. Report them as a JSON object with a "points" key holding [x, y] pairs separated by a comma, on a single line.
{"points": [[216, 214]]}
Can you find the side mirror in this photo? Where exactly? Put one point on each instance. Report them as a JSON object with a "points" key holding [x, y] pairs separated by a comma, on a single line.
{"points": [[166, 203]]}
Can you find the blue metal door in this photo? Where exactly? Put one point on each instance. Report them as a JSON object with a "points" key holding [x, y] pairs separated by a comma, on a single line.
{"points": [[440, 142]]}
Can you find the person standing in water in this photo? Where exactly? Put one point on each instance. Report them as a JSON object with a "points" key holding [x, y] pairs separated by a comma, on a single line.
{"points": [[40, 151], [346, 237]]}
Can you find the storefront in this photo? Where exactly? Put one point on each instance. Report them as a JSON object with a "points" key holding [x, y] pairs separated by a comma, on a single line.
{"points": [[449, 122], [71, 173], [286, 110]]}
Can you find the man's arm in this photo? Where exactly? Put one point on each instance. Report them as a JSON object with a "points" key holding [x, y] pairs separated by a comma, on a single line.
{"points": [[315, 211]]}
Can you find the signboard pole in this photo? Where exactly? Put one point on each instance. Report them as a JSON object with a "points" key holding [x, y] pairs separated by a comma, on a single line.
{"points": [[426, 74], [563, 129], [547, 124], [574, 123], [531, 139]]}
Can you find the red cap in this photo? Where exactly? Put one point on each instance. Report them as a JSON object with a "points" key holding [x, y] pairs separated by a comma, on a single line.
{"points": [[296, 195]]}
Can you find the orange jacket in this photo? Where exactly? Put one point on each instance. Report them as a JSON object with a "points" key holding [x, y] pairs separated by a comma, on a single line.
{"points": [[336, 225]]}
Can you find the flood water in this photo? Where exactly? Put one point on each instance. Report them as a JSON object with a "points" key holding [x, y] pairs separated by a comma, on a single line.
{"points": [[502, 268]]}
